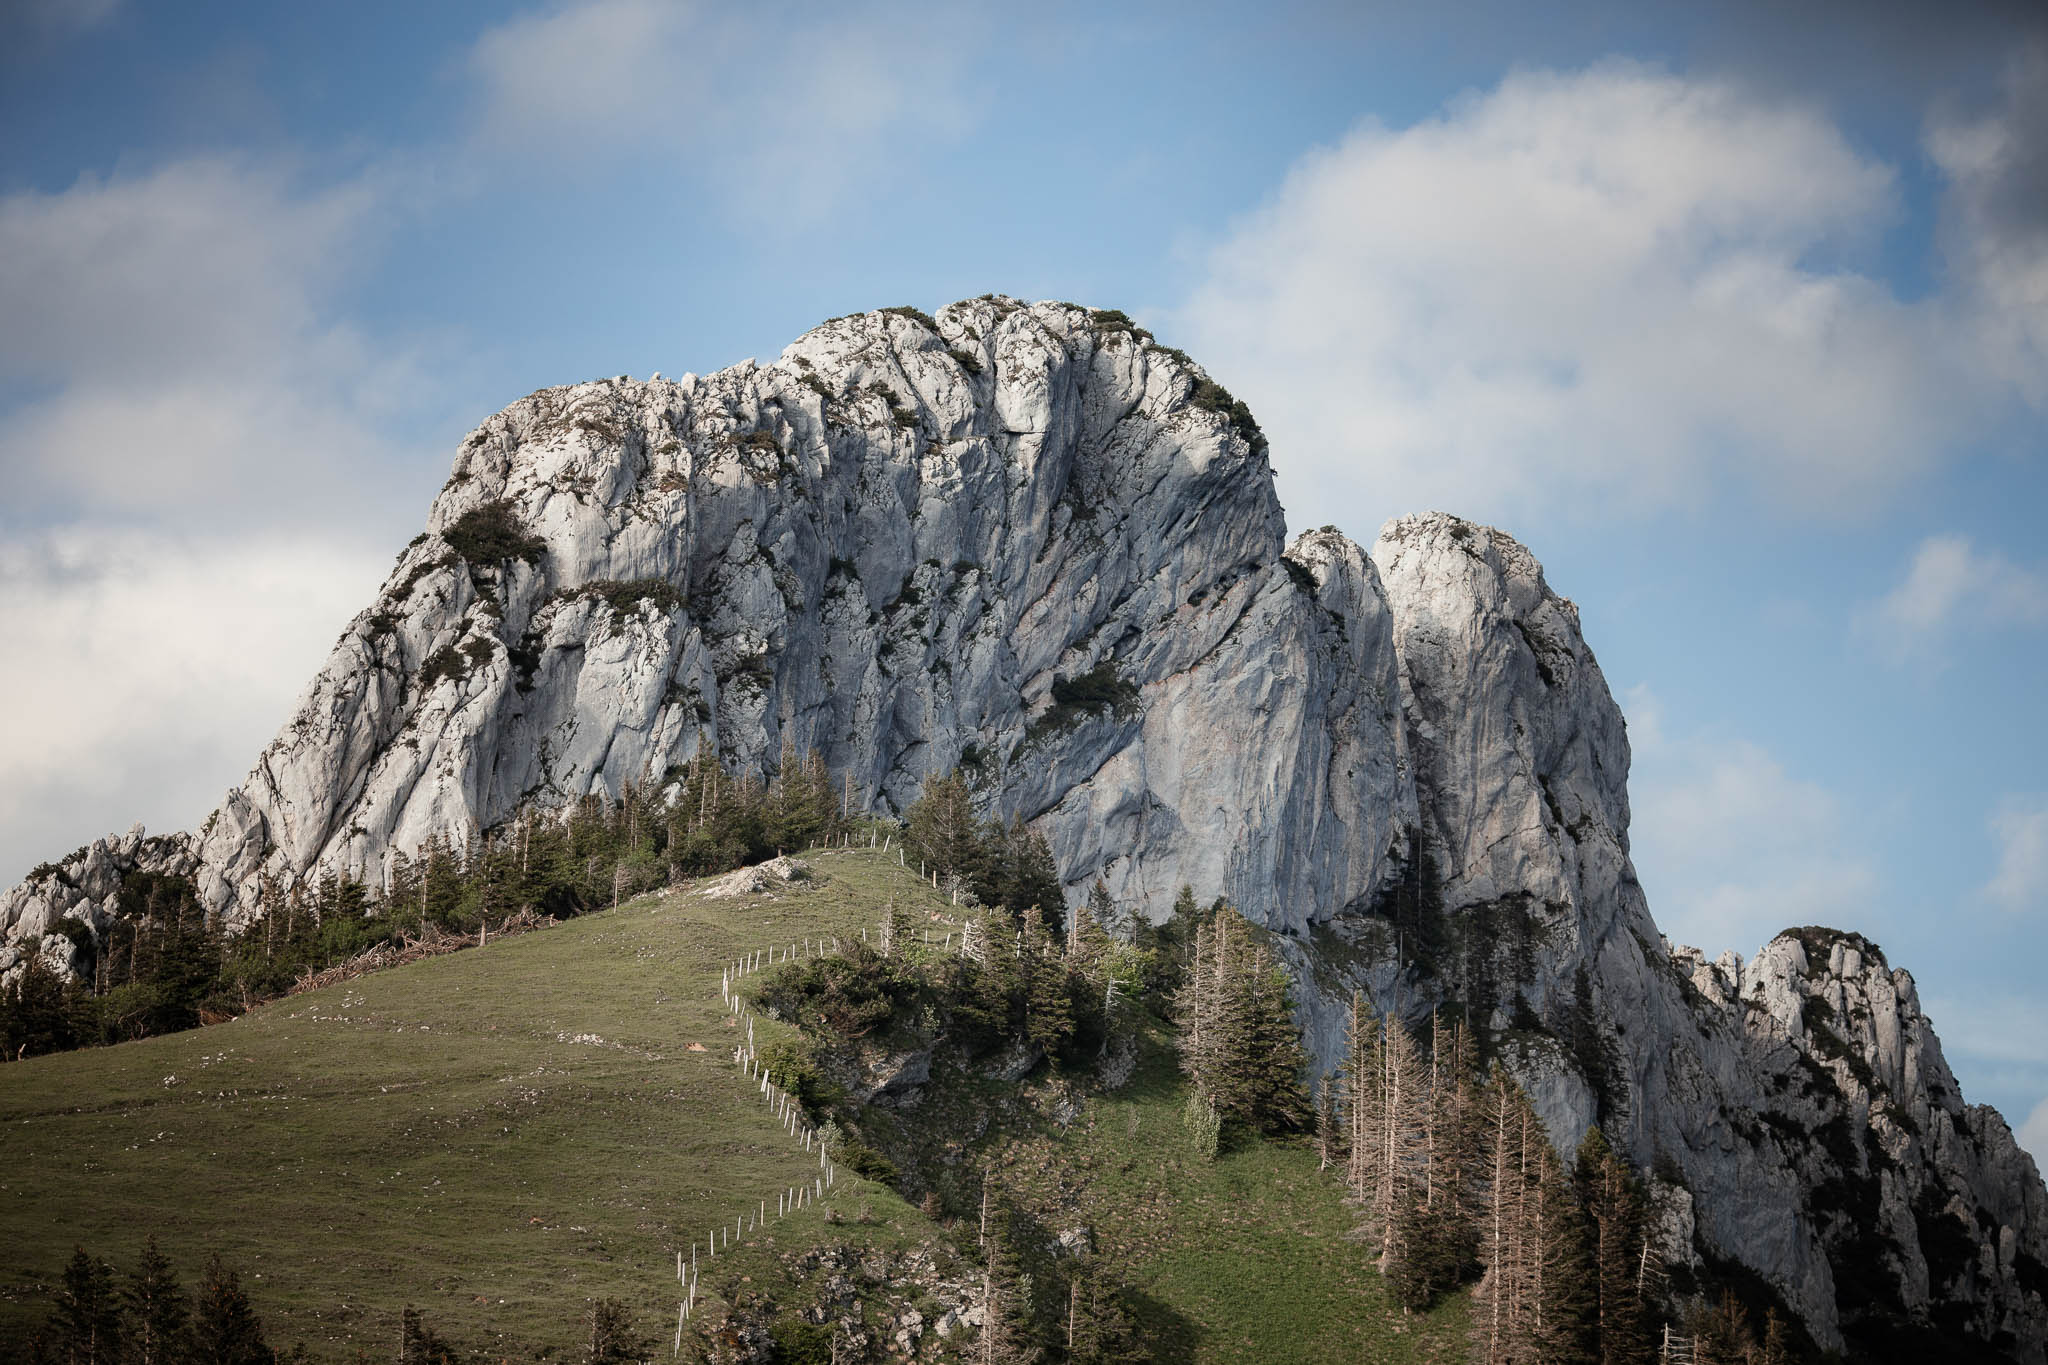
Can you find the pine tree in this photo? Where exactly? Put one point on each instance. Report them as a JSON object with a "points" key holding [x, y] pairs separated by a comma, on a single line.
{"points": [[86, 1323], [1614, 1213], [1007, 1330], [943, 832], [1271, 1057], [1106, 913], [1329, 1131], [1500, 1324], [1364, 1078], [1402, 1143], [32, 1013], [158, 1311], [1048, 1002], [225, 1328]]}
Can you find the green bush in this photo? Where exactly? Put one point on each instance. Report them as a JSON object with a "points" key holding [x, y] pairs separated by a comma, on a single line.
{"points": [[865, 1161], [622, 597], [916, 315], [491, 533]]}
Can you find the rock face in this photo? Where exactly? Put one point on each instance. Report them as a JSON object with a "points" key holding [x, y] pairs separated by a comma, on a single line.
{"points": [[893, 542]]}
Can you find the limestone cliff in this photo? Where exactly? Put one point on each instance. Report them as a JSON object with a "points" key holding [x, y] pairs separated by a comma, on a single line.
{"points": [[891, 543]]}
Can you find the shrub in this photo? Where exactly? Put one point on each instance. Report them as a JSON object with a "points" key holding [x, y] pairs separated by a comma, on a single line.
{"points": [[1099, 687], [624, 596], [865, 1161], [966, 360], [916, 315], [1213, 397], [455, 661], [491, 533]]}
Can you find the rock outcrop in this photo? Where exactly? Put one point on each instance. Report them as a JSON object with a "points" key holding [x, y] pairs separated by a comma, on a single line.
{"points": [[907, 542]]}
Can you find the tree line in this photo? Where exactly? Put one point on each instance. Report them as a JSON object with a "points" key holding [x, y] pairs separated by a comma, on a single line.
{"points": [[146, 1317], [165, 964], [1458, 1183]]}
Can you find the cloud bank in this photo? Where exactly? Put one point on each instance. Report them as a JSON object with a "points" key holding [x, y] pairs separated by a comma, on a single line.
{"points": [[1612, 291]]}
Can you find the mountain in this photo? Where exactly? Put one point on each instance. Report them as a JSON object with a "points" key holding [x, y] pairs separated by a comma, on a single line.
{"points": [[1030, 543]]}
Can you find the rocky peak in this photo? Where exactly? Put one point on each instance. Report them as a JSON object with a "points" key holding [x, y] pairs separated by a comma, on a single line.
{"points": [[910, 541]]}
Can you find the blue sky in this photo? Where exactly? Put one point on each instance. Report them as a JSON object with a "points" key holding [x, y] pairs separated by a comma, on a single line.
{"points": [[1738, 318]]}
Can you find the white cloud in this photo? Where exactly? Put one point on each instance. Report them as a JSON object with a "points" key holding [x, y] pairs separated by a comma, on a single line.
{"points": [[2021, 880], [179, 375], [149, 670], [780, 117], [2033, 1134], [1952, 583], [173, 335], [1617, 286], [1730, 847], [1996, 228]]}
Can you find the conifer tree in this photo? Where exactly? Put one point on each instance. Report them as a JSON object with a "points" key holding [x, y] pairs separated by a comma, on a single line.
{"points": [[1614, 1218], [1048, 1003], [225, 1328], [1329, 1130], [1105, 912], [1008, 1335], [1500, 1323], [1563, 1290], [86, 1323], [1100, 1330], [943, 832], [1271, 1058], [1364, 1079], [1089, 943], [1402, 1142], [158, 1311], [32, 1013]]}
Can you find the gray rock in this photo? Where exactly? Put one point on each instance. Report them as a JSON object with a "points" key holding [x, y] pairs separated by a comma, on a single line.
{"points": [[889, 543]]}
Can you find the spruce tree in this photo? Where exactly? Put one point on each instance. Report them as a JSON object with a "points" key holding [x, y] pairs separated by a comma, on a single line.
{"points": [[1008, 1331], [1329, 1131], [1363, 1080], [1614, 1215], [1106, 913], [86, 1323], [158, 1311], [225, 1328], [32, 1012], [1271, 1055], [1561, 1251], [943, 831], [1048, 1001]]}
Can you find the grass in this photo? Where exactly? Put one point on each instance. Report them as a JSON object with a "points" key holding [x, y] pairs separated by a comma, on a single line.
{"points": [[1250, 1258], [500, 1135], [435, 1134]]}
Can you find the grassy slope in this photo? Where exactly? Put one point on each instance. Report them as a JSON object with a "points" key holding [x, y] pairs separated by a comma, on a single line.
{"points": [[436, 1135]]}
